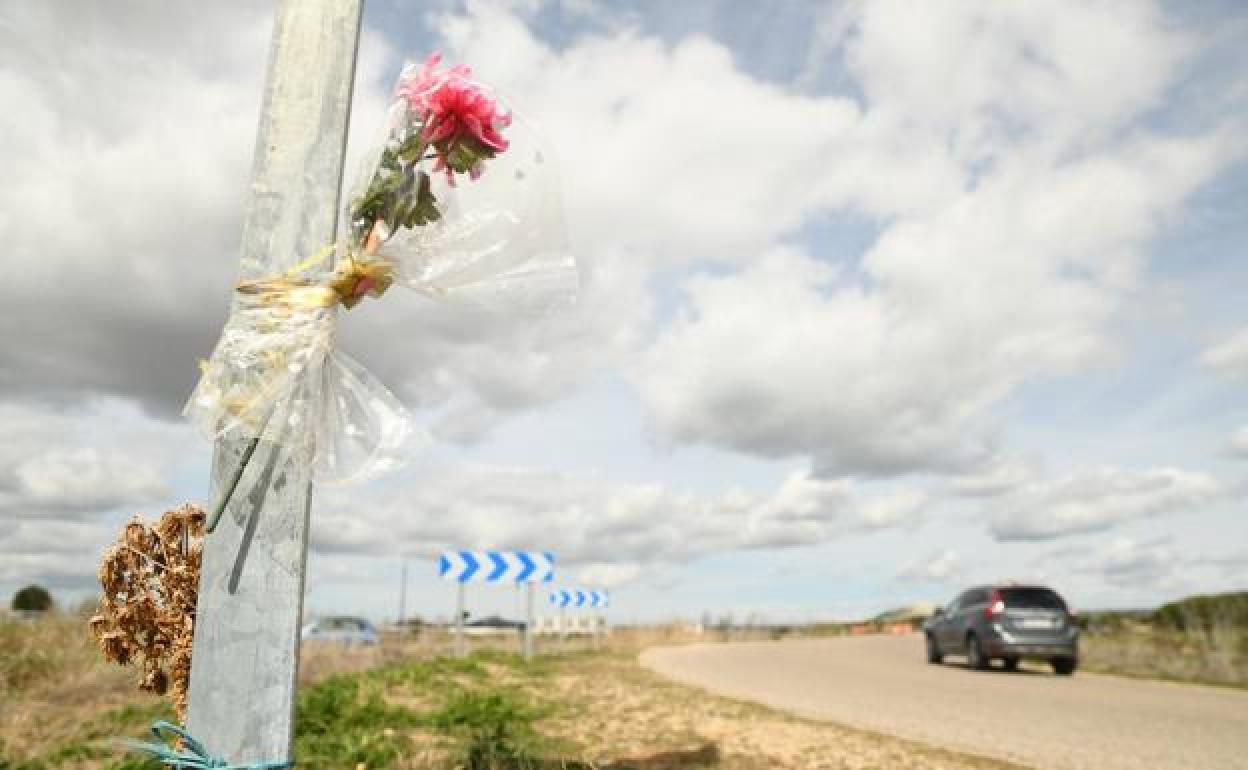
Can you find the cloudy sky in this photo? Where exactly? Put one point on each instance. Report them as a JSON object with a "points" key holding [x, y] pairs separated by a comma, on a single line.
{"points": [[879, 299]]}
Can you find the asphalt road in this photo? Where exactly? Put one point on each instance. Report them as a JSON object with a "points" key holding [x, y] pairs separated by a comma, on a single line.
{"points": [[883, 683]]}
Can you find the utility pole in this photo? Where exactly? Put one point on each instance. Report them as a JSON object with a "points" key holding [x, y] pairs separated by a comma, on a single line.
{"points": [[403, 606]]}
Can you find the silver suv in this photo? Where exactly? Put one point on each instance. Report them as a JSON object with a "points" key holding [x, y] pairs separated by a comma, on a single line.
{"points": [[1005, 622]]}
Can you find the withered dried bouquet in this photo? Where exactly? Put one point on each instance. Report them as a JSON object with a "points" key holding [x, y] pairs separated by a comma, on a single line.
{"points": [[150, 578]]}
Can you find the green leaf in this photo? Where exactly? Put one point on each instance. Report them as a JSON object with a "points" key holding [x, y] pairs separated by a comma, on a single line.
{"points": [[412, 148]]}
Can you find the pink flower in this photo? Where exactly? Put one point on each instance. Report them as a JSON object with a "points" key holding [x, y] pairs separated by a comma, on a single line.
{"points": [[461, 120], [460, 108], [418, 85]]}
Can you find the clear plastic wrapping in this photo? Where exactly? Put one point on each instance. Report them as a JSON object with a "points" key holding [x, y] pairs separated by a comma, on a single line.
{"points": [[459, 200]]}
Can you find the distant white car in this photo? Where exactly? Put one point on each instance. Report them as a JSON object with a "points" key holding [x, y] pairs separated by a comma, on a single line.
{"points": [[340, 629]]}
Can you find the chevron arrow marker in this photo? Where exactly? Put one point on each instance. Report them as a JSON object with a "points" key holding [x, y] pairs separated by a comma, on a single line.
{"points": [[471, 566], [527, 567], [500, 566], [497, 566]]}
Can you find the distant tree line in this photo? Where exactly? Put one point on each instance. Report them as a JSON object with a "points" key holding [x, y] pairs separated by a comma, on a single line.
{"points": [[1202, 613], [32, 598]]}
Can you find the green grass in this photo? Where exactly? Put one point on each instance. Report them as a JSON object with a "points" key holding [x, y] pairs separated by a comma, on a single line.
{"points": [[493, 729], [346, 720]]}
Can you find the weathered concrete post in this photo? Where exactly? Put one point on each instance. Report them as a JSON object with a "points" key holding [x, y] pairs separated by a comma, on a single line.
{"points": [[246, 649]]}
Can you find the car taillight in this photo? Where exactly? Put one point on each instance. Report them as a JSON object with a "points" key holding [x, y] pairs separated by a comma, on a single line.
{"points": [[995, 607]]}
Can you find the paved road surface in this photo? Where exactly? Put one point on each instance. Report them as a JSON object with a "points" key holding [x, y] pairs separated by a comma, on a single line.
{"points": [[883, 683]]}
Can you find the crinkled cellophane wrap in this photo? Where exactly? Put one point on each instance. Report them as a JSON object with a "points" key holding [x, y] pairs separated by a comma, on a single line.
{"points": [[276, 373]]}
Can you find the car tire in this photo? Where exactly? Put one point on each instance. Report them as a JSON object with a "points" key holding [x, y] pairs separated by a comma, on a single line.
{"points": [[975, 654], [1011, 664], [1063, 666], [933, 651]]}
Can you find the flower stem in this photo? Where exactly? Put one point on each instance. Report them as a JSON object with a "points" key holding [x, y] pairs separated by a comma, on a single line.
{"points": [[231, 484]]}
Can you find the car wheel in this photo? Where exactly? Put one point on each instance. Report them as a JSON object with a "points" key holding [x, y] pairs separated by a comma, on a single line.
{"points": [[1011, 664], [974, 654], [933, 651], [1063, 666]]}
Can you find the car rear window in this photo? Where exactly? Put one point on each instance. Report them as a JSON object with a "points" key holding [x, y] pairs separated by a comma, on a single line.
{"points": [[1032, 599]]}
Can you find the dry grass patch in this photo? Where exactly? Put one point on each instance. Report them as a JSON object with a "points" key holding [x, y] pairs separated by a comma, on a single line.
{"points": [[405, 707], [1217, 655], [56, 692]]}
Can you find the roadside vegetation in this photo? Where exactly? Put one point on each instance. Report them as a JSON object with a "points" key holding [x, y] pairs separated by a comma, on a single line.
{"points": [[403, 705], [401, 708], [1201, 639]]}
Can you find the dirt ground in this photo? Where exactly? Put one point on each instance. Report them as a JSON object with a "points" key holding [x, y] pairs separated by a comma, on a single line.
{"points": [[620, 710], [62, 706]]}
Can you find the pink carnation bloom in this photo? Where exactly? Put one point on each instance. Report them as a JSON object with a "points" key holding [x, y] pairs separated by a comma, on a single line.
{"points": [[453, 107]]}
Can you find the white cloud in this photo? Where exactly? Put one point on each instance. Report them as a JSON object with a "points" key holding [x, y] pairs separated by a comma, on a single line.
{"points": [[604, 527], [124, 174], [609, 575], [1000, 252], [1239, 442], [981, 72], [1098, 499], [942, 566], [1229, 356], [68, 476], [1008, 158], [72, 465], [998, 477], [89, 479], [54, 570], [1125, 562], [1127, 571], [126, 177], [672, 152], [1007, 271]]}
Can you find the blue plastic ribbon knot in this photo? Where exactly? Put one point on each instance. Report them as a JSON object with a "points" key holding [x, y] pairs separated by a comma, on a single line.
{"points": [[193, 755]]}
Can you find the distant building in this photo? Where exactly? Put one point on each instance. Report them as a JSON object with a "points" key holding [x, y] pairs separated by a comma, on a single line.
{"points": [[913, 615]]}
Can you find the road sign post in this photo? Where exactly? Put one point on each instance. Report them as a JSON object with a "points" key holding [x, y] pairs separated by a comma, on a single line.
{"points": [[461, 646], [528, 621], [515, 567], [246, 647], [579, 598]]}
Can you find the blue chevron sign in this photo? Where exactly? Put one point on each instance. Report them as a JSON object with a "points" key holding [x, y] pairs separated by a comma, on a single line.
{"points": [[497, 566], [579, 597]]}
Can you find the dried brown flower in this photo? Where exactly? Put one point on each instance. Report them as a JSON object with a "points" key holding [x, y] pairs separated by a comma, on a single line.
{"points": [[150, 579]]}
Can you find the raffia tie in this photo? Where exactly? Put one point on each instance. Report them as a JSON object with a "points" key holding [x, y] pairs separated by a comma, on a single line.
{"points": [[275, 376], [192, 754]]}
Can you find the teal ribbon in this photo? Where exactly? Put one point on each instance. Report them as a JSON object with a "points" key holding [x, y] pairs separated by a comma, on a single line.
{"points": [[194, 755]]}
